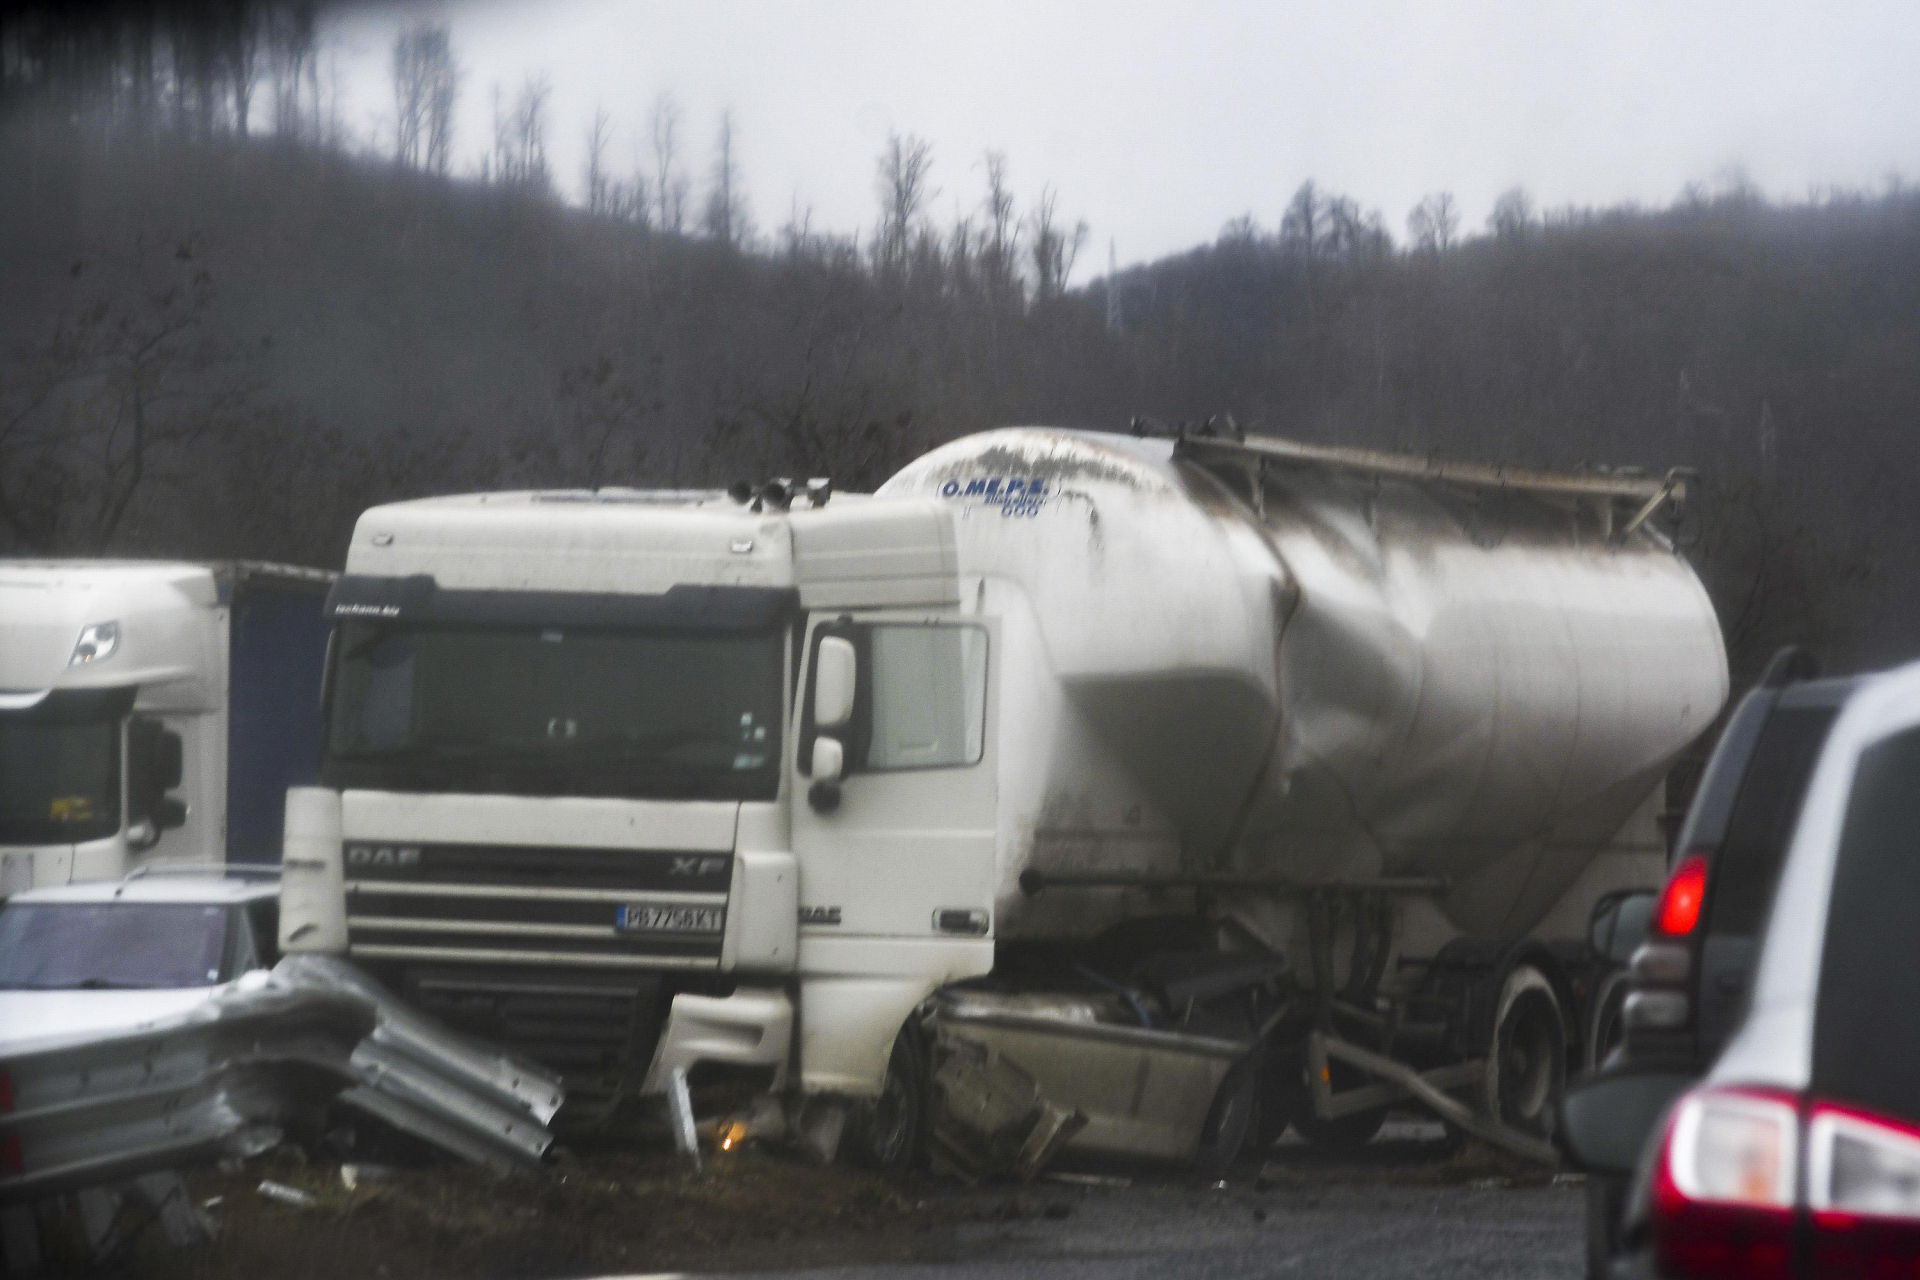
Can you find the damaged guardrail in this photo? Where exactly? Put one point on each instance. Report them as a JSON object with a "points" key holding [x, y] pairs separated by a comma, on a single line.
{"points": [[226, 1077]]}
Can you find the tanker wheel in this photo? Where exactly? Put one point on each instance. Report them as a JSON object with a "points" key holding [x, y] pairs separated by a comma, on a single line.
{"points": [[889, 1134], [1342, 1133], [1233, 1119], [1527, 1057]]}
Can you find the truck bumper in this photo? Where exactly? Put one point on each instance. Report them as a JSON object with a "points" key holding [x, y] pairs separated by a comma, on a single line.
{"points": [[753, 1027]]}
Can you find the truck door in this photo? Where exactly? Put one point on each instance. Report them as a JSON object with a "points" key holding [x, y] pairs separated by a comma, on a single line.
{"points": [[893, 797], [906, 847]]}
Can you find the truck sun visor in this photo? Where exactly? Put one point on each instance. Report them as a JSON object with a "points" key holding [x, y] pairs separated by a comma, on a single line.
{"points": [[692, 607]]}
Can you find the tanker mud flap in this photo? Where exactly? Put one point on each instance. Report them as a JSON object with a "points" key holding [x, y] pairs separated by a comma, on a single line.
{"points": [[989, 1116], [1398, 1082]]}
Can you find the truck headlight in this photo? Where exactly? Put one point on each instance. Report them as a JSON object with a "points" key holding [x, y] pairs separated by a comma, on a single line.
{"points": [[96, 644]]}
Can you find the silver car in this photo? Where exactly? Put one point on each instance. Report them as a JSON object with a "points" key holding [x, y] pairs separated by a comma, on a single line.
{"points": [[1798, 1153], [113, 954]]}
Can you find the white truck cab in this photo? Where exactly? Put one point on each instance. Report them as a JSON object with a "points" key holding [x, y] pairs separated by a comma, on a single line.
{"points": [[151, 711], [567, 798]]}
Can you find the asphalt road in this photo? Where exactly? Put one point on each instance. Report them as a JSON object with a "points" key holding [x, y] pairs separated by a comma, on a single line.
{"points": [[1400, 1212]]}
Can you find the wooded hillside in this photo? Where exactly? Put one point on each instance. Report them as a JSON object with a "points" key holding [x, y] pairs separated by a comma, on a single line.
{"points": [[228, 338]]}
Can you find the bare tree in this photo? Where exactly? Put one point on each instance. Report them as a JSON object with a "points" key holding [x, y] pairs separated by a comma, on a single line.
{"points": [[1054, 247], [669, 186], [520, 138], [1512, 214], [1434, 223], [726, 215], [599, 185], [89, 416], [443, 88], [1000, 251], [604, 415], [1303, 226], [410, 94], [902, 180], [291, 59]]}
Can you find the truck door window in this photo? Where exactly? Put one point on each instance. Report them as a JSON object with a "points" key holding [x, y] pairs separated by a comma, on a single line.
{"points": [[929, 696], [60, 768]]}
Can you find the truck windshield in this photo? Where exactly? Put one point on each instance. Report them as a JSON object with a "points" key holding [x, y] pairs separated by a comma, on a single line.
{"points": [[61, 946], [555, 711], [60, 769]]}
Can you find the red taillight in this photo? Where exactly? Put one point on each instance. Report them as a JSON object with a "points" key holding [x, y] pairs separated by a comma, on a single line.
{"points": [[1679, 909], [1723, 1190]]}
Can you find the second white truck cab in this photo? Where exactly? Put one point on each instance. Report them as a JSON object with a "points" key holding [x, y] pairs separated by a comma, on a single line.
{"points": [[152, 711]]}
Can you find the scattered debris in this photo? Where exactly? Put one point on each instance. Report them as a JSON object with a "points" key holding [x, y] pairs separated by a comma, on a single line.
{"points": [[823, 1122], [285, 1194], [1090, 1179], [989, 1116], [680, 1108]]}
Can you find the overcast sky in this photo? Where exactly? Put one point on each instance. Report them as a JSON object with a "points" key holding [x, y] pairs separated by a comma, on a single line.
{"points": [[1158, 122]]}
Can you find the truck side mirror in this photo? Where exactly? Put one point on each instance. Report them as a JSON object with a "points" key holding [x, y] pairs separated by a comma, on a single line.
{"points": [[155, 766], [829, 765], [835, 674]]}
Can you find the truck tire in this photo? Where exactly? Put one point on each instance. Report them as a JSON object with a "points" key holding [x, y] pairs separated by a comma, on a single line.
{"points": [[889, 1134], [1232, 1120], [1527, 1054]]}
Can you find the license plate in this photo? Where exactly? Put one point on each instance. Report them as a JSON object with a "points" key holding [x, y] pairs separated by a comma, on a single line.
{"points": [[647, 918]]}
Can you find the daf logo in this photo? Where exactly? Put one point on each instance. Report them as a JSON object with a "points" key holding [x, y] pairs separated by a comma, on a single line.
{"points": [[694, 865], [394, 857]]}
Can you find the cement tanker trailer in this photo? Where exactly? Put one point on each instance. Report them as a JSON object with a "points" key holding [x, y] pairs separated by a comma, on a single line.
{"points": [[1133, 795], [1401, 725]]}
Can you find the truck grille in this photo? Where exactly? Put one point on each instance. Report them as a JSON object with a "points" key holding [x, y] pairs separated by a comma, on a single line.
{"points": [[518, 904]]}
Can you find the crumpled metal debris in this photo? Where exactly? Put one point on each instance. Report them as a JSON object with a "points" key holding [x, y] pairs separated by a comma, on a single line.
{"points": [[223, 1078], [989, 1115]]}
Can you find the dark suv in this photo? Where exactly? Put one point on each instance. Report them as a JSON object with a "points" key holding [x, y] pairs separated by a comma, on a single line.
{"points": [[1687, 984]]}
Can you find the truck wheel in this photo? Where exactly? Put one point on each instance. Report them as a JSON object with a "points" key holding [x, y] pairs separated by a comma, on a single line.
{"points": [[1527, 1058], [1233, 1118], [889, 1133]]}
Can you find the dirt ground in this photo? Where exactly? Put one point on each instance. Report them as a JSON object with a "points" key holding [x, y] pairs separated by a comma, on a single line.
{"points": [[623, 1213], [596, 1214]]}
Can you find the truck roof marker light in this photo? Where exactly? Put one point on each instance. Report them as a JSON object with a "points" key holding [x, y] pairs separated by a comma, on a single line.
{"points": [[96, 644], [1679, 908]]}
